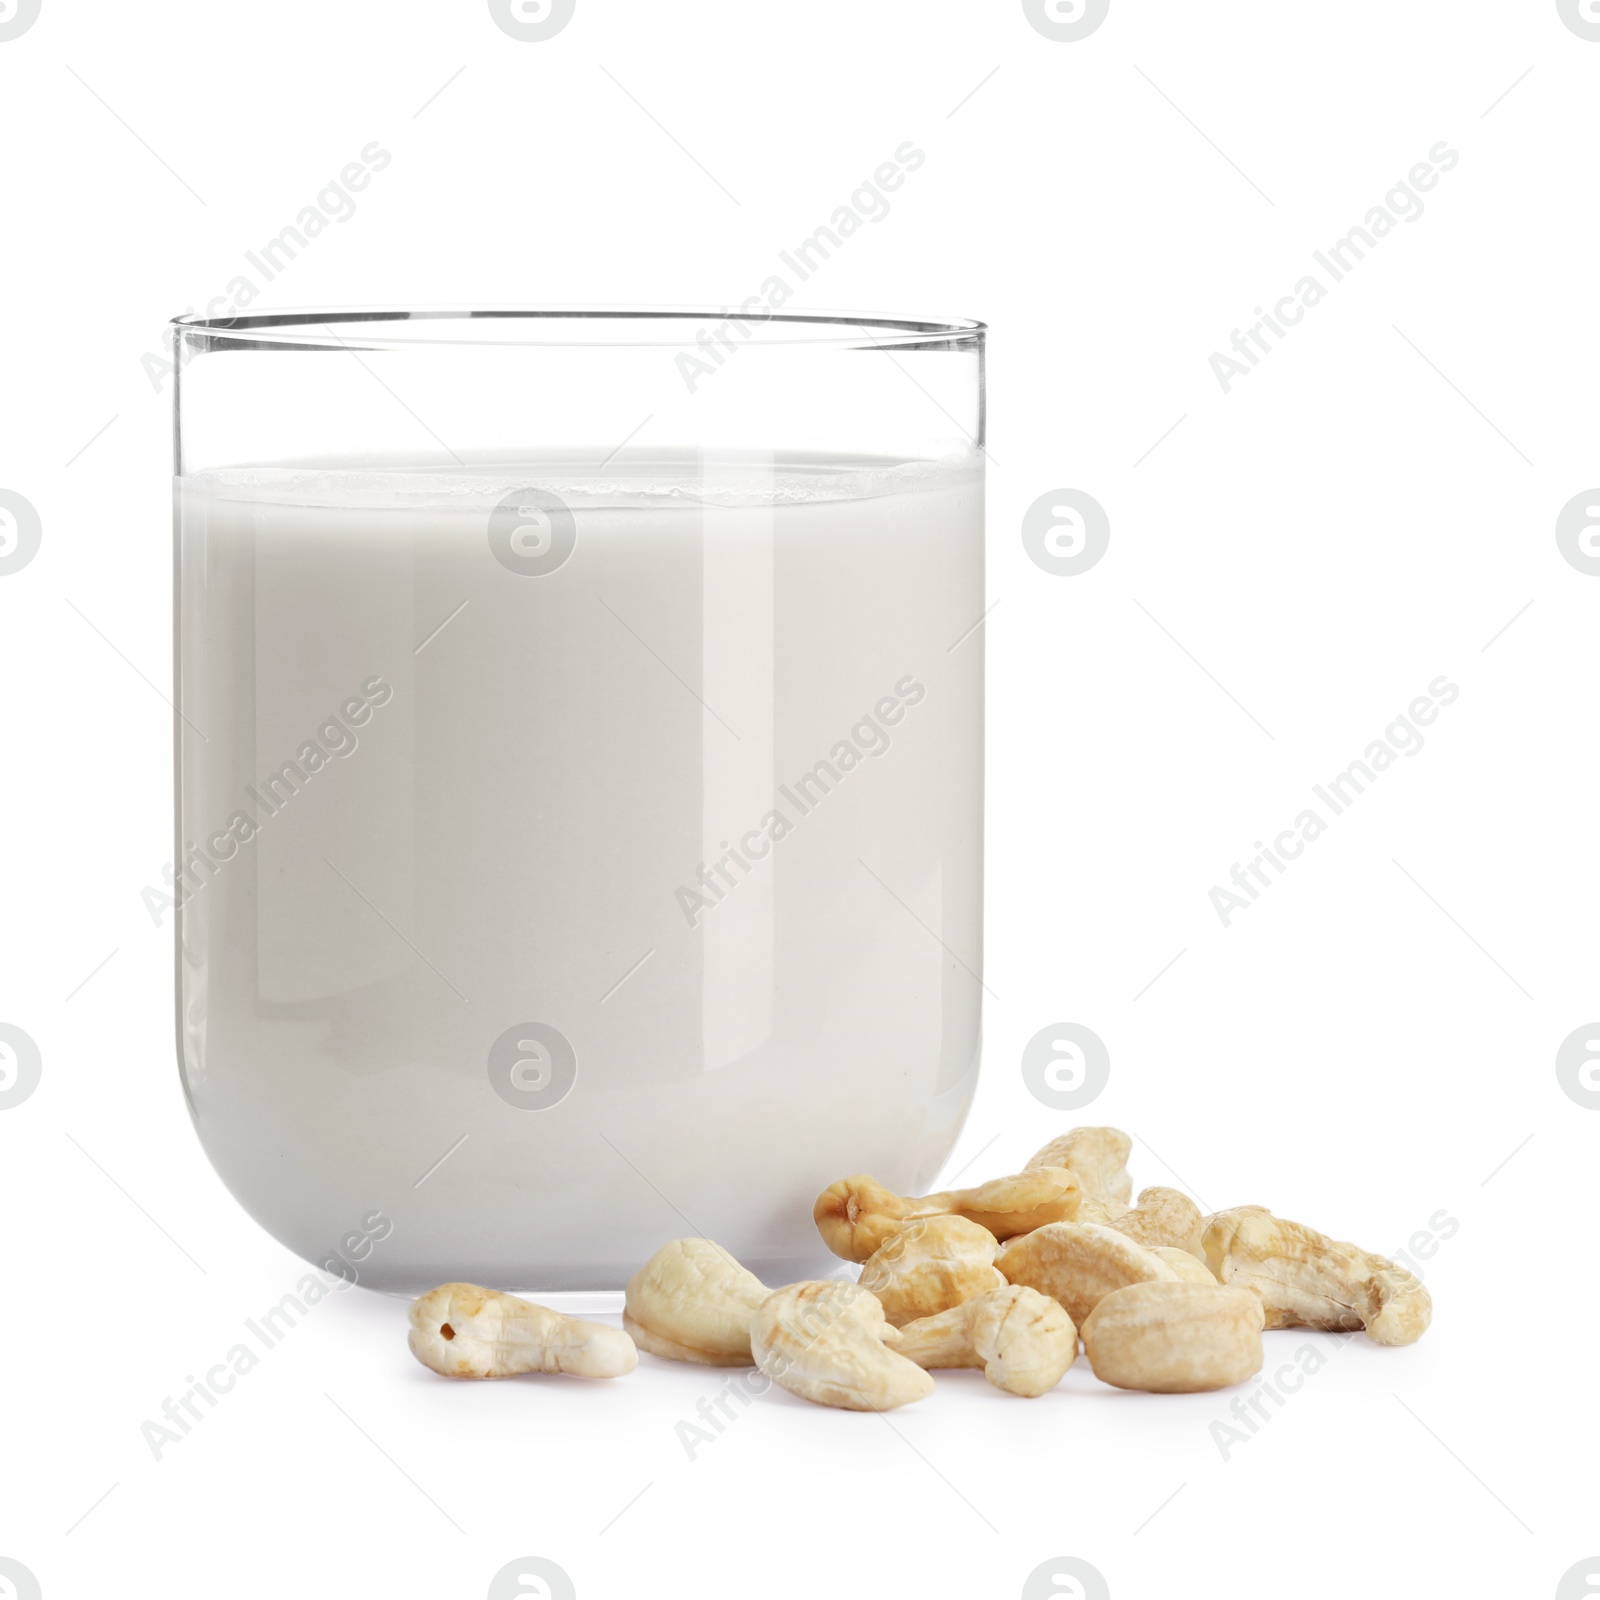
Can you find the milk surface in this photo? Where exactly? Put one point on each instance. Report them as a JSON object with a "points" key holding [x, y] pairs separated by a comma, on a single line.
{"points": [[534, 917]]}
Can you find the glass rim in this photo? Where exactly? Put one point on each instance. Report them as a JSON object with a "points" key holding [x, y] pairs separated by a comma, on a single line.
{"points": [[297, 328]]}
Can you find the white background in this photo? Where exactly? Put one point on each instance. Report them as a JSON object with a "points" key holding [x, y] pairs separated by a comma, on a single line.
{"points": [[1371, 1044]]}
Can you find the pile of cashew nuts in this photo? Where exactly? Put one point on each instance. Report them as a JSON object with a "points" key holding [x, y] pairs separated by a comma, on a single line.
{"points": [[1006, 1277]]}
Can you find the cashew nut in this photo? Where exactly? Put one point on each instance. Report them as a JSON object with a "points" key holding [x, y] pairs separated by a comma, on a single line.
{"points": [[1092, 1208], [1079, 1263], [1307, 1280], [462, 1331], [1174, 1338], [857, 1214], [1099, 1156], [1189, 1268], [829, 1343], [691, 1301], [1163, 1216], [928, 1266], [1022, 1339]]}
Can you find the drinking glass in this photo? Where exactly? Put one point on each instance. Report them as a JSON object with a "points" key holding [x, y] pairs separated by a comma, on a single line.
{"points": [[580, 748]]}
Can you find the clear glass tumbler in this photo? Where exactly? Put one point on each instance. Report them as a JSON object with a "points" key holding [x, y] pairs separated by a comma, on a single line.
{"points": [[580, 727]]}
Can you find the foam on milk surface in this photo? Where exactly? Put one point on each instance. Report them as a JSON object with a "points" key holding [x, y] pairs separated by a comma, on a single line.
{"points": [[525, 829]]}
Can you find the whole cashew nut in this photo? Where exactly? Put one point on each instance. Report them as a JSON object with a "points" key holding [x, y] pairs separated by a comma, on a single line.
{"points": [[1022, 1339], [829, 1343], [856, 1215], [928, 1266], [462, 1331], [1174, 1338], [691, 1301], [1307, 1280], [1098, 1155], [1079, 1263], [1163, 1217]]}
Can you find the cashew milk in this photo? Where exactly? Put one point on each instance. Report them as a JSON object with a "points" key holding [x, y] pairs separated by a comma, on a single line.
{"points": [[574, 858]]}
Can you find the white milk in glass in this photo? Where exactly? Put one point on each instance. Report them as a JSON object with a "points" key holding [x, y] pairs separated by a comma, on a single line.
{"points": [[531, 917]]}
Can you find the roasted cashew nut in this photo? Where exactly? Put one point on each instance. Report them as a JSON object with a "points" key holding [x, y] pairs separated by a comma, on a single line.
{"points": [[829, 1343], [462, 1331], [856, 1215], [1022, 1339]]}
